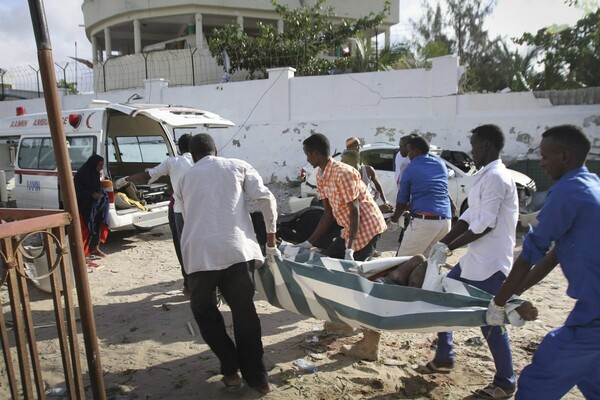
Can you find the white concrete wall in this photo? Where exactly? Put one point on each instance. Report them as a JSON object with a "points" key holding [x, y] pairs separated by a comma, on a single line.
{"points": [[275, 115]]}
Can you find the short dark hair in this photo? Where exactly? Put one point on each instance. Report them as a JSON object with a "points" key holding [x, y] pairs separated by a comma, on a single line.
{"points": [[419, 143], [184, 142], [572, 138], [317, 142], [201, 145], [490, 133], [408, 137]]}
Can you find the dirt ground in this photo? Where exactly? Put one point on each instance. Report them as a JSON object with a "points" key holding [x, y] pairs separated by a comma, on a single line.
{"points": [[148, 351]]}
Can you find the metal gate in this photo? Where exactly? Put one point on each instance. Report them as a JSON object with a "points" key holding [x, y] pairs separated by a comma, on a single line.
{"points": [[23, 367]]}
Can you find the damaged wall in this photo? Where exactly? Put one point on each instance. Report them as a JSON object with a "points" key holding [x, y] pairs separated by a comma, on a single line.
{"points": [[275, 115]]}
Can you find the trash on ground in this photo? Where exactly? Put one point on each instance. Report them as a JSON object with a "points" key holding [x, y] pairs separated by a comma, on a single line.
{"points": [[305, 365]]}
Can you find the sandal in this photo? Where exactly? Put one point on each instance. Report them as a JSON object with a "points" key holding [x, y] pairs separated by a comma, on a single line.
{"points": [[431, 368], [492, 391], [99, 253], [233, 382]]}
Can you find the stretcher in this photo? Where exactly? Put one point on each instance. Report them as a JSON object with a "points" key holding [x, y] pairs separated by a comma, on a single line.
{"points": [[306, 283]]}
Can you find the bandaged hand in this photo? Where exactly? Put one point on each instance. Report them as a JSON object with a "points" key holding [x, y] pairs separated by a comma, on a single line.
{"points": [[438, 252], [121, 182], [273, 252], [305, 245], [495, 314], [349, 255], [392, 226]]}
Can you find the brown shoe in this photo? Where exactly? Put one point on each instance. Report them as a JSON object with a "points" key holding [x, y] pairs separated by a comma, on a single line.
{"points": [[264, 389], [366, 349], [233, 382], [333, 327]]}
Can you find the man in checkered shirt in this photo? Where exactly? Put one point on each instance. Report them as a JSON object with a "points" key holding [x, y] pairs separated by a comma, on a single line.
{"points": [[347, 200]]}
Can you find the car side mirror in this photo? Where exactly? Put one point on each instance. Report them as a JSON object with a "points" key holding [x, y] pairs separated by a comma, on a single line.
{"points": [[451, 174]]}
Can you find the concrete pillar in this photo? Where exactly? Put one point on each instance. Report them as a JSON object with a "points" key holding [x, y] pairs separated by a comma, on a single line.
{"points": [[240, 22], [153, 90], [387, 37], [280, 101], [280, 25], [199, 32], [107, 43], [137, 36], [94, 49]]}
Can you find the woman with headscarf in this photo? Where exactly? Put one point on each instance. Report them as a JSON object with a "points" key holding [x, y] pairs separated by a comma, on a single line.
{"points": [[93, 202]]}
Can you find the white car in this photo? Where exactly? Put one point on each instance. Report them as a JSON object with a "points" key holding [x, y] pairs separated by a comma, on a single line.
{"points": [[380, 156]]}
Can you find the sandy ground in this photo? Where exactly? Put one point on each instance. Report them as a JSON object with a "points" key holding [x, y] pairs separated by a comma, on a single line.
{"points": [[148, 352]]}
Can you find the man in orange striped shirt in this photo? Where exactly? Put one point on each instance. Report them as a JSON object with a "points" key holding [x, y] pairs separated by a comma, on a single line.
{"points": [[347, 200]]}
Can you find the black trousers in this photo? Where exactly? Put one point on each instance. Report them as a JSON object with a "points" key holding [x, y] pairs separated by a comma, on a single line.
{"points": [[338, 249], [176, 226], [236, 284]]}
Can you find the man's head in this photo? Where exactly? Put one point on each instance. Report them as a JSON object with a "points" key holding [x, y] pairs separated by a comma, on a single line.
{"points": [[417, 146], [184, 143], [403, 141], [353, 143], [316, 148], [352, 158], [487, 142], [563, 148], [202, 145]]}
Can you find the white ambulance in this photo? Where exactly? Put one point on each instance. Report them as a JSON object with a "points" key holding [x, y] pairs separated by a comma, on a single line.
{"points": [[130, 137]]}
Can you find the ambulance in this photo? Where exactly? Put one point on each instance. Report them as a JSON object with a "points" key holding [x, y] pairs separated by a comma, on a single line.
{"points": [[130, 137]]}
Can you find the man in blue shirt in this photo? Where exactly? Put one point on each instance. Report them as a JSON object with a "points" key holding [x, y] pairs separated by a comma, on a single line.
{"points": [[569, 355], [424, 185]]}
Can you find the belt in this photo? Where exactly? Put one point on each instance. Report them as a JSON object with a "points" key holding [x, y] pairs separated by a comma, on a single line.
{"points": [[429, 217]]}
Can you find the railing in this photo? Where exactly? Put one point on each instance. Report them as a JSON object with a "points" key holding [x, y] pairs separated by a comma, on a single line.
{"points": [[17, 228]]}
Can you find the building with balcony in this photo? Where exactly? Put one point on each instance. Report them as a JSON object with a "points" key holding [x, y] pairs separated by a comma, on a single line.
{"points": [[118, 28]]}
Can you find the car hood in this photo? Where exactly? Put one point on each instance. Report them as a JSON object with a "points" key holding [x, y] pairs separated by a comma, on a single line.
{"points": [[521, 178]]}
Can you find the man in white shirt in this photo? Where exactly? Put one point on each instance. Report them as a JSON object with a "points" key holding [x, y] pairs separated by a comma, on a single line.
{"points": [[220, 249], [173, 167], [400, 163], [402, 159], [488, 227]]}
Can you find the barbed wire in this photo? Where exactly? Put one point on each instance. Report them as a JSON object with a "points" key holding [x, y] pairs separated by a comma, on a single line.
{"points": [[182, 67], [25, 82]]}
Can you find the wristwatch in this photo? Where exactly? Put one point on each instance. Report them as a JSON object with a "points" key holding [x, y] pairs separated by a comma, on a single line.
{"points": [[448, 252]]}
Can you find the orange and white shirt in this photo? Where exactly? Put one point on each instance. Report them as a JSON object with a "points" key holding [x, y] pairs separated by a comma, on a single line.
{"points": [[340, 184]]}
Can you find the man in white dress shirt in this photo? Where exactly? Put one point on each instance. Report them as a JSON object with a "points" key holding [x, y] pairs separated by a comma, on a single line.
{"points": [[173, 167], [488, 227], [402, 159], [220, 250]]}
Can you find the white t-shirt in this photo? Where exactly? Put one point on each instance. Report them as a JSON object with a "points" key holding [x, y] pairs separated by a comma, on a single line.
{"points": [[175, 167], [400, 166], [218, 231], [493, 203]]}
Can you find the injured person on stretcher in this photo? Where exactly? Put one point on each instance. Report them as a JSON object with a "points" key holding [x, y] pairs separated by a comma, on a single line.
{"points": [[409, 273], [412, 272]]}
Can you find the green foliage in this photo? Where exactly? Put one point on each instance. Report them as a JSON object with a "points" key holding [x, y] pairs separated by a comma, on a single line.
{"points": [[71, 86], [309, 35], [570, 57], [368, 59]]}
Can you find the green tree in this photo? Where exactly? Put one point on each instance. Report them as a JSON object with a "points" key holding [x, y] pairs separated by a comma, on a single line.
{"points": [[309, 35], [430, 40], [367, 58], [570, 57], [70, 86], [465, 37]]}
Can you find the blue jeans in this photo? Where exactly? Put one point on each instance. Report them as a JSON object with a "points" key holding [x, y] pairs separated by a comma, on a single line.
{"points": [[496, 336], [568, 356]]}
